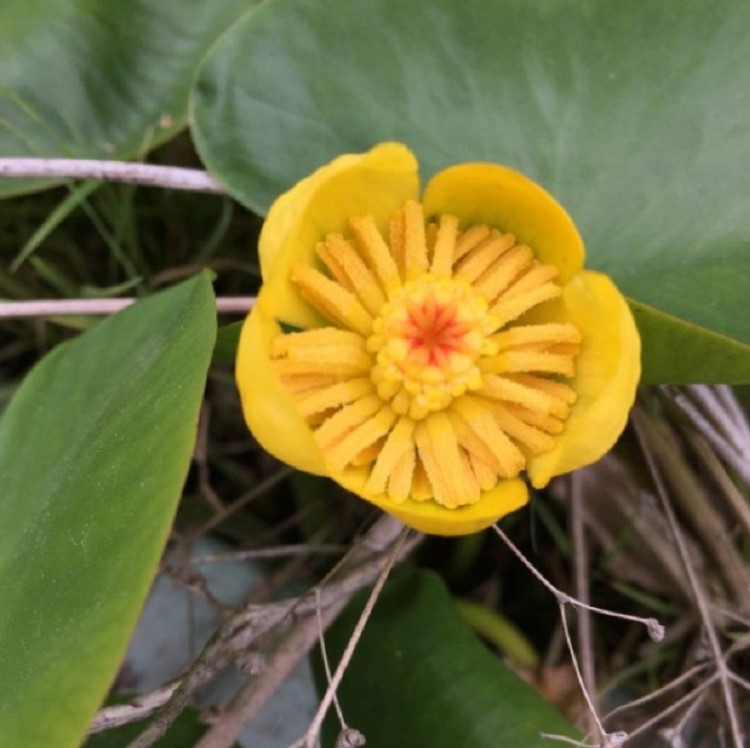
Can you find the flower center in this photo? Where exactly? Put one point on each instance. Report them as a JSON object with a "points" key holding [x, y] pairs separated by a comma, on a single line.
{"points": [[427, 340], [431, 381]]}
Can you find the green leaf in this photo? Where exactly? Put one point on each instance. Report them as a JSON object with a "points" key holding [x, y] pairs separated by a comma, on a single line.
{"points": [[717, 357], [227, 340], [94, 449], [419, 676], [99, 79], [634, 114]]}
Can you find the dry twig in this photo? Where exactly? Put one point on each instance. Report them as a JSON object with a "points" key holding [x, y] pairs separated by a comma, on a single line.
{"points": [[359, 567], [701, 600]]}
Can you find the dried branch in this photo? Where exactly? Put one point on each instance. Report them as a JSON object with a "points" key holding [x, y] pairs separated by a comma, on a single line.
{"points": [[139, 708], [715, 413], [150, 175], [647, 442], [254, 695], [99, 307], [695, 504], [581, 589], [357, 569], [314, 730]]}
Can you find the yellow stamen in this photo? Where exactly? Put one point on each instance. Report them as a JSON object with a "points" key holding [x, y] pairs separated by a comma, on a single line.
{"points": [[485, 254], [549, 334], [398, 443], [424, 388], [470, 239], [344, 262], [421, 489], [316, 338], [543, 421], [472, 443], [533, 361], [537, 275], [346, 367], [375, 250], [397, 235], [359, 438], [535, 440], [334, 396], [445, 244], [346, 419], [338, 351], [551, 387], [430, 238], [327, 352], [447, 469], [368, 455], [415, 246], [508, 390], [509, 308], [346, 357], [485, 475], [331, 299], [335, 268], [401, 484], [482, 423], [504, 271], [301, 384]]}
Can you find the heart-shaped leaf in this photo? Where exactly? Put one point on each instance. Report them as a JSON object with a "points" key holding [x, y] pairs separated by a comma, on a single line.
{"points": [[419, 676], [634, 114], [94, 449]]}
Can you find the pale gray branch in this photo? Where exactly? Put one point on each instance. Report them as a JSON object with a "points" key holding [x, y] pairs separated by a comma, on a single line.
{"points": [[169, 177], [122, 714], [358, 568], [75, 307], [646, 440]]}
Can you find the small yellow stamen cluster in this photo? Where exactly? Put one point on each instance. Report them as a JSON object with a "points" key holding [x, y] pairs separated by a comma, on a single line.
{"points": [[427, 341], [429, 383]]}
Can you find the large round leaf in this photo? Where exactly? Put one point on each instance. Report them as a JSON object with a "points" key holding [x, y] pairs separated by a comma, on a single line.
{"points": [[419, 676], [99, 79], [635, 114], [94, 448]]}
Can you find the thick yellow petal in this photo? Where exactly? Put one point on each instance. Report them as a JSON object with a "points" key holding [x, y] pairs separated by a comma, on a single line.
{"points": [[268, 407], [607, 372], [483, 193], [374, 183], [430, 517]]}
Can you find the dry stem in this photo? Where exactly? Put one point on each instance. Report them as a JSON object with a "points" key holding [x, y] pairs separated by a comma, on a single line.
{"points": [[722, 671], [357, 569], [99, 307], [151, 175]]}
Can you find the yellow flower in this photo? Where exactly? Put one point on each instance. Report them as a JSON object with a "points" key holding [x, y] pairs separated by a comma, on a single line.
{"points": [[425, 355]]}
